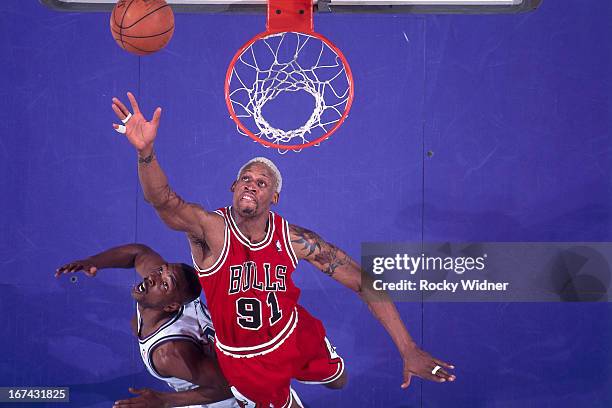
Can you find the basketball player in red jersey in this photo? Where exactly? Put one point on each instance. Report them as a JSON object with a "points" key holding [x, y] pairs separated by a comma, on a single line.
{"points": [[245, 255]]}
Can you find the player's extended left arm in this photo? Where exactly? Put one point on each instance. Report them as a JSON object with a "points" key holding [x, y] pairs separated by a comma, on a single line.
{"points": [[183, 359], [126, 256], [335, 263], [149, 398]]}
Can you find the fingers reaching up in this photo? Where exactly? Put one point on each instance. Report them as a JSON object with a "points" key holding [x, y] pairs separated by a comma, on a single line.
{"points": [[156, 116], [133, 102], [140, 132], [120, 110]]}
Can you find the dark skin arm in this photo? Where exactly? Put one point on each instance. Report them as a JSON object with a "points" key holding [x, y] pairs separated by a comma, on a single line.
{"points": [[183, 359], [175, 212], [337, 264], [137, 256], [204, 229]]}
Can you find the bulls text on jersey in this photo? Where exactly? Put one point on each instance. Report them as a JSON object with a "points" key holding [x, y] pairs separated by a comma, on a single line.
{"points": [[246, 276]]}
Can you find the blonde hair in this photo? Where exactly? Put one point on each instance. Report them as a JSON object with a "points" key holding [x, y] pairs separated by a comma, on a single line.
{"points": [[270, 165]]}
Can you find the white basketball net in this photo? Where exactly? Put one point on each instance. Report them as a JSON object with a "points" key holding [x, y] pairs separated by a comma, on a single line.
{"points": [[289, 62]]}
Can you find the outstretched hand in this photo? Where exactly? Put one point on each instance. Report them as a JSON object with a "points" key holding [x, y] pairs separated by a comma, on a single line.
{"points": [[84, 265], [140, 132], [422, 364], [146, 398]]}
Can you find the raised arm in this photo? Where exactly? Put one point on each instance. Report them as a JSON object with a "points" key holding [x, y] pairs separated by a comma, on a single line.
{"points": [[175, 212], [185, 360], [337, 264], [137, 256]]}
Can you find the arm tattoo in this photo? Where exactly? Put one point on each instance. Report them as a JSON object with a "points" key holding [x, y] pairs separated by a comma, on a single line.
{"points": [[330, 259], [328, 256], [310, 241], [146, 160]]}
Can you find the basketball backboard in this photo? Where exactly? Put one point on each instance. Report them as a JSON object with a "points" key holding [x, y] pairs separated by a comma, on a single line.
{"points": [[334, 6]]}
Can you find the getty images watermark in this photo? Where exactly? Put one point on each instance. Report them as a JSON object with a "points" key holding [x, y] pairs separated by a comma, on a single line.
{"points": [[494, 271]]}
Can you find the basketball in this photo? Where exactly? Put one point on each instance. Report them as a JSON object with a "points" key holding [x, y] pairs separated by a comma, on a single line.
{"points": [[142, 26]]}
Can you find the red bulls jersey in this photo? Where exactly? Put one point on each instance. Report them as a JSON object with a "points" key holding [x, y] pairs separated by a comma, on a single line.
{"points": [[249, 290]]}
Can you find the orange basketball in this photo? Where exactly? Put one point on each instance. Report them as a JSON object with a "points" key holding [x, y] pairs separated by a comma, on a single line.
{"points": [[142, 26]]}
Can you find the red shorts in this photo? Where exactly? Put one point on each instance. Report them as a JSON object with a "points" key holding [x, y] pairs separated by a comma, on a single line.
{"points": [[305, 355]]}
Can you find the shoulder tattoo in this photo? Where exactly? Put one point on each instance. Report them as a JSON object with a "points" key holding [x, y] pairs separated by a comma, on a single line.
{"points": [[331, 258], [309, 241], [327, 255]]}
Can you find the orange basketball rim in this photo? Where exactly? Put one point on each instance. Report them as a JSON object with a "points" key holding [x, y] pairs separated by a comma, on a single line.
{"points": [[258, 73]]}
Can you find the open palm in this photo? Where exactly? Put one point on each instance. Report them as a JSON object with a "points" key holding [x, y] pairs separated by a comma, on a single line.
{"points": [[140, 132]]}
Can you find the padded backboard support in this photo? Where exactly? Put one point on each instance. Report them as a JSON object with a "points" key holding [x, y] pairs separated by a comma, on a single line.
{"points": [[333, 6]]}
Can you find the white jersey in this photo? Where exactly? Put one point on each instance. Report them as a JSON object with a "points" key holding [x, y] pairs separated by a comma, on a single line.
{"points": [[191, 323]]}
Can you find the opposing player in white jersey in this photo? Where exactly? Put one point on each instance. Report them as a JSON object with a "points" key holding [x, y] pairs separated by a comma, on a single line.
{"points": [[173, 327], [245, 255]]}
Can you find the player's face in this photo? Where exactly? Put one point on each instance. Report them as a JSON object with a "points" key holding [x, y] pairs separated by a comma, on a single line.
{"points": [[161, 289], [255, 190]]}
